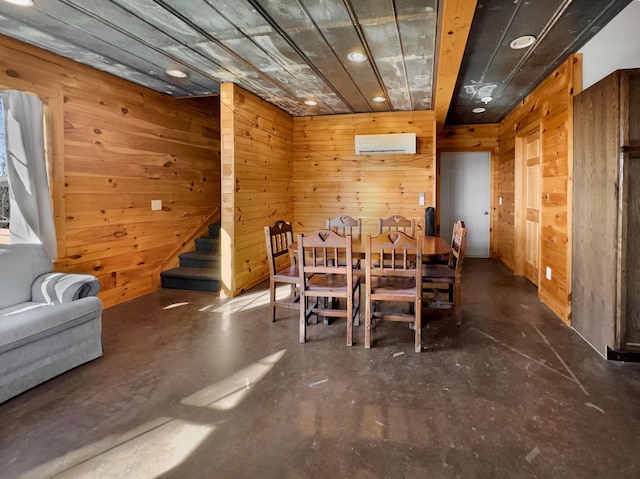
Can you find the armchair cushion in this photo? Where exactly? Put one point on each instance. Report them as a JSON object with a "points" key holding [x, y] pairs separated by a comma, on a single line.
{"points": [[29, 322]]}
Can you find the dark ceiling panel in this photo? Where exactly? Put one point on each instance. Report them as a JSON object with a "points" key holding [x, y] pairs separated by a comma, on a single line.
{"points": [[37, 36], [560, 26], [64, 22], [417, 26], [289, 51], [301, 29], [378, 21], [333, 20], [282, 65]]}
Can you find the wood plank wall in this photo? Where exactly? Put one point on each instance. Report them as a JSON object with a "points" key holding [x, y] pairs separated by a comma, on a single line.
{"points": [[551, 107], [480, 137], [117, 146], [330, 180], [257, 150]]}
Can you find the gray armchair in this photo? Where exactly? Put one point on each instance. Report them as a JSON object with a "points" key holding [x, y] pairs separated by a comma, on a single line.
{"points": [[49, 322]]}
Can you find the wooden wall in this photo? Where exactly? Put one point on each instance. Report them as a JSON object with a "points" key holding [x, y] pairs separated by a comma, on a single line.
{"points": [[330, 180], [550, 106], [257, 148], [480, 137], [115, 147]]}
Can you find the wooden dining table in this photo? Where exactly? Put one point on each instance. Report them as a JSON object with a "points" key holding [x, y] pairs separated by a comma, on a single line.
{"points": [[433, 248]]}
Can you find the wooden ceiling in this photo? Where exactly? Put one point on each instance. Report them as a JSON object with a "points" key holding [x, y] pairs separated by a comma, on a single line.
{"points": [[443, 55]]}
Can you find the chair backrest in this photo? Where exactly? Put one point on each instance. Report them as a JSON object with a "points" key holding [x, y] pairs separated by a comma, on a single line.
{"points": [[278, 238], [397, 223], [318, 252], [393, 253], [458, 246], [20, 265], [345, 225]]}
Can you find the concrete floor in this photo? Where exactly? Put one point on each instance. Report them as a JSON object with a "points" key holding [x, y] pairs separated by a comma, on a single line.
{"points": [[194, 386]]}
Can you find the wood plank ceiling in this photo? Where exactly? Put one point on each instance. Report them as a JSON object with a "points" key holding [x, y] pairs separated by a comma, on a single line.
{"points": [[292, 51]]}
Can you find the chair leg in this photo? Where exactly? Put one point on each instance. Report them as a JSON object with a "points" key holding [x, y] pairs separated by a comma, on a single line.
{"points": [[303, 318], [458, 304], [349, 299], [418, 325], [367, 321], [272, 301], [356, 302]]}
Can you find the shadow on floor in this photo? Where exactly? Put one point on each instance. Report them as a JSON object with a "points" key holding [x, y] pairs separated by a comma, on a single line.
{"points": [[193, 385]]}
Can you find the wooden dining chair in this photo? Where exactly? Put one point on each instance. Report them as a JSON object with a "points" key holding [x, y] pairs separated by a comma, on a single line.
{"points": [[322, 277], [281, 271], [393, 275], [346, 225], [397, 223], [442, 282]]}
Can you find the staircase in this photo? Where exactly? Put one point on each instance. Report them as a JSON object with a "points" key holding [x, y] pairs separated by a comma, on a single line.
{"points": [[200, 269]]}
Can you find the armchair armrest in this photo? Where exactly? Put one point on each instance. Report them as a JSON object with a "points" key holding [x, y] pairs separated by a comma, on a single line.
{"points": [[58, 288]]}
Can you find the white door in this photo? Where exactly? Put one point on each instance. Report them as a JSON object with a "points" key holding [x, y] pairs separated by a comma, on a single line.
{"points": [[465, 194]]}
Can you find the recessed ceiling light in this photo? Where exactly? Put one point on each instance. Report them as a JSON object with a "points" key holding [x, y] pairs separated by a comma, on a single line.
{"points": [[310, 102], [486, 99], [379, 99], [21, 3], [479, 110], [176, 72], [522, 42], [356, 56]]}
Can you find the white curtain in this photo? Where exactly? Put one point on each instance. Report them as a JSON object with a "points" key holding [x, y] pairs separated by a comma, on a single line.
{"points": [[30, 198]]}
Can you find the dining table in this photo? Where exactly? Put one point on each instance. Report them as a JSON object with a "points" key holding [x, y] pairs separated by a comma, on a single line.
{"points": [[434, 248]]}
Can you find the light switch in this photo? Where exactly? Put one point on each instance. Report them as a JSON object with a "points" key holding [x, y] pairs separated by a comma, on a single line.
{"points": [[500, 200], [548, 273], [156, 204], [421, 198]]}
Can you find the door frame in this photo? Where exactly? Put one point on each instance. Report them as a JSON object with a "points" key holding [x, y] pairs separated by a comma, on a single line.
{"points": [[492, 155], [519, 213]]}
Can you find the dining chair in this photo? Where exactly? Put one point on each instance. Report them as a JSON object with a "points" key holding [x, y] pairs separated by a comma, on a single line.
{"points": [[322, 277], [278, 238], [443, 282], [397, 223], [346, 225], [393, 275]]}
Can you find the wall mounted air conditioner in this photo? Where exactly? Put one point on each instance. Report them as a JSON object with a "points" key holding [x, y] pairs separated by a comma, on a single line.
{"points": [[392, 143]]}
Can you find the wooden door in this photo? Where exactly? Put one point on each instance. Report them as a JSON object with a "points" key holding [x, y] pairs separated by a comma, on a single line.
{"points": [[532, 206], [596, 150], [629, 329]]}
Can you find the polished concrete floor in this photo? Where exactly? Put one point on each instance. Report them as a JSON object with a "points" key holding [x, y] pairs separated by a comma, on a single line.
{"points": [[195, 386]]}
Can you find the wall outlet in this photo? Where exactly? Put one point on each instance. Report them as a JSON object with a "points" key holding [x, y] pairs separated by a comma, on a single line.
{"points": [[421, 199], [548, 273], [156, 205]]}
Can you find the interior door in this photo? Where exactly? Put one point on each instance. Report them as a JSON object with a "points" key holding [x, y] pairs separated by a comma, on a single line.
{"points": [[532, 207], [465, 194]]}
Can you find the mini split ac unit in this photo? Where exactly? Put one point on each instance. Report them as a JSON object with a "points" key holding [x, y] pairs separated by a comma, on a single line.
{"points": [[393, 143]]}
